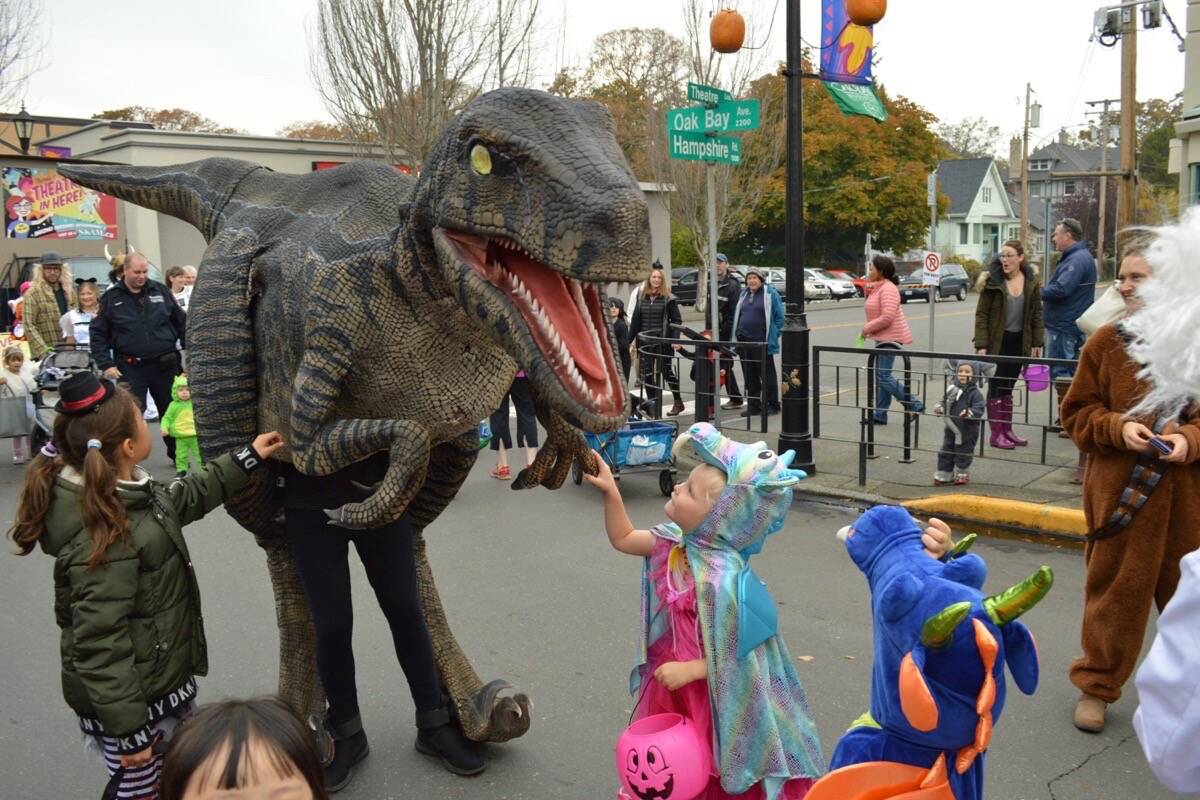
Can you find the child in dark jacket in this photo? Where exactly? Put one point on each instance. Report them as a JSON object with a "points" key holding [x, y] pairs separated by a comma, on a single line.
{"points": [[962, 410], [125, 593]]}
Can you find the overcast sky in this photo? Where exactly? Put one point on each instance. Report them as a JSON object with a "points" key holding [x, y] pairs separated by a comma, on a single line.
{"points": [[244, 63]]}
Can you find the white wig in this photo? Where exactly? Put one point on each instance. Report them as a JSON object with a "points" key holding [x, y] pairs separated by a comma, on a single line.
{"points": [[1166, 329]]}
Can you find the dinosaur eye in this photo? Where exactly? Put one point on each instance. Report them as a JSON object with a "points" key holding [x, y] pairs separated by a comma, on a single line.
{"points": [[765, 454], [481, 160]]}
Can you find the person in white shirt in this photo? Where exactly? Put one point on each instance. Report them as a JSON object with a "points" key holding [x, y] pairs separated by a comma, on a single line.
{"points": [[1167, 720], [75, 324]]}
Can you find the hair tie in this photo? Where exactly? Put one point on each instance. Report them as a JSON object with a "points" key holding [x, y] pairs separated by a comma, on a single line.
{"points": [[49, 450], [94, 444]]}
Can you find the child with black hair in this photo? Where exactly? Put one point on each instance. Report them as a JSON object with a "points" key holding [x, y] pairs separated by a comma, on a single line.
{"points": [[125, 592], [243, 750], [962, 410]]}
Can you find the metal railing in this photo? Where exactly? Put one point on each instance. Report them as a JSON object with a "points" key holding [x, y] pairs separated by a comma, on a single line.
{"points": [[703, 355], [865, 383]]}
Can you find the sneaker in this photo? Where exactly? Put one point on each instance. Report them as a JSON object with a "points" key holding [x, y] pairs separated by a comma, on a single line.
{"points": [[439, 736], [962, 479], [732, 404], [1089, 713], [349, 748], [751, 412]]}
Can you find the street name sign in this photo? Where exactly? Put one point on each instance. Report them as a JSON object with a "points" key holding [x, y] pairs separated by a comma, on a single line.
{"points": [[933, 269], [698, 147], [709, 95], [733, 115]]}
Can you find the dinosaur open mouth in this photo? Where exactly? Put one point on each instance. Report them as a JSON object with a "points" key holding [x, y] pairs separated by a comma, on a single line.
{"points": [[564, 316]]}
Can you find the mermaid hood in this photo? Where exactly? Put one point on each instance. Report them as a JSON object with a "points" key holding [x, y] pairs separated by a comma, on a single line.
{"points": [[762, 727]]}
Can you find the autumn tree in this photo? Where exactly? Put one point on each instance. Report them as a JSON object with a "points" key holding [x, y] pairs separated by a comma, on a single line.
{"points": [[315, 129], [972, 137], [166, 119], [395, 71]]}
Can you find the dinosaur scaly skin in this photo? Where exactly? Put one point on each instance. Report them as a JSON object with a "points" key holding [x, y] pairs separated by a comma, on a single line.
{"points": [[359, 310]]}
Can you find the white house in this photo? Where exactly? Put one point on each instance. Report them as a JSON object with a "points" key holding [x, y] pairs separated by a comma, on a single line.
{"points": [[980, 217]]}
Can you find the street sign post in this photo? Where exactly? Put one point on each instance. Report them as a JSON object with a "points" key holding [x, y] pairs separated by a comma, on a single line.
{"points": [[733, 115], [708, 95], [699, 147]]}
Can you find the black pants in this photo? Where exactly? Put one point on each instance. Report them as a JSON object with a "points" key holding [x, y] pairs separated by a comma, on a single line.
{"points": [[655, 366], [156, 378], [731, 384], [759, 386], [1001, 384], [957, 456], [321, 552], [527, 432]]}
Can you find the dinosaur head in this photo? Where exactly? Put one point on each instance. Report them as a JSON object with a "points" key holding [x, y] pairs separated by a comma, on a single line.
{"points": [[532, 208]]}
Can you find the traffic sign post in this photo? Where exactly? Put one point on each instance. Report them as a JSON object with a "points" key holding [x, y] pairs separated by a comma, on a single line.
{"points": [[932, 276]]}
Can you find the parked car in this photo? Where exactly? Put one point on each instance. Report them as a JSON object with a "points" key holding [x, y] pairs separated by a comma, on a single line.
{"points": [[839, 287], [859, 283], [954, 283], [683, 284]]}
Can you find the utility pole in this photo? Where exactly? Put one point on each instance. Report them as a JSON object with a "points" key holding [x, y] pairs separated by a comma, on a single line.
{"points": [[1032, 120], [1103, 177], [1127, 199]]}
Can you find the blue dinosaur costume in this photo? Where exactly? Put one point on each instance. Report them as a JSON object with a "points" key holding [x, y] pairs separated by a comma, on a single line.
{"points": [[937, 684], [762, 730]]}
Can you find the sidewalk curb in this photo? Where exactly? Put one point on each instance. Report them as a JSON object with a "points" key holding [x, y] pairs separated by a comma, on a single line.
{"points": [[999, 512]]}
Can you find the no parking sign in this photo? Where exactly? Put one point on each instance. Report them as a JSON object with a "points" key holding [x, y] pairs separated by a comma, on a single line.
{"points": [[933, 269]]}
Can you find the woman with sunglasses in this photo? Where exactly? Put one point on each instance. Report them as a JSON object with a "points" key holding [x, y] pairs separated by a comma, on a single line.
{"points": [[75, 323]]}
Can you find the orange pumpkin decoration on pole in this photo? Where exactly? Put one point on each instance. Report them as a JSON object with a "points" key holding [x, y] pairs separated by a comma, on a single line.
{"points": [[866, 12], [727, 31]]}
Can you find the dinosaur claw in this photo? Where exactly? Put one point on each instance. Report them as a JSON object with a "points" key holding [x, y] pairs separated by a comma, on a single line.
{"points": [[496, 718], [337, 518]]}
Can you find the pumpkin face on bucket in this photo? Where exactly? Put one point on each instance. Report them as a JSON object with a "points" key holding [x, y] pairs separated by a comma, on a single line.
{"points": [[662, 757], [648, 774]]}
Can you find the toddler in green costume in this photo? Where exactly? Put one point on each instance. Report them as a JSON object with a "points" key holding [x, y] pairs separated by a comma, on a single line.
{"points": [[180, 422]]}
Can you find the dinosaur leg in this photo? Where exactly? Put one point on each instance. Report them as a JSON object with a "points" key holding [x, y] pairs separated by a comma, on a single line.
{"points": [[486, 714], [223, 368]]}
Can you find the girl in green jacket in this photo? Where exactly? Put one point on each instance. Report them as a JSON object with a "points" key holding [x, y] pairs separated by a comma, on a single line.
{"points": [[125, 594]]}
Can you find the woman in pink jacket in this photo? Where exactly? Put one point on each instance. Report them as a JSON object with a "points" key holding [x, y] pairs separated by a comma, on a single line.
{"points": [[888, 327]]}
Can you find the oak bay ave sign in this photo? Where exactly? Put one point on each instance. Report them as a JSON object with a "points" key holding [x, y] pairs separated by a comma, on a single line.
{"points": [[691, 131]]}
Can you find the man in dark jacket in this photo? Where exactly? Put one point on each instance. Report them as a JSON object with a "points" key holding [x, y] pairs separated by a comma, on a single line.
{"points": [[728, 292], [1068, 293], [134, 335]]}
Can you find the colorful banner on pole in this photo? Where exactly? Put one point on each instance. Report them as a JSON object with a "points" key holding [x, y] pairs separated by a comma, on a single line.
{"points": [[41, 204], [845, 47]]}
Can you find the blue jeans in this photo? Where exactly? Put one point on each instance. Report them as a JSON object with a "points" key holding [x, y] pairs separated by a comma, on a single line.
{"points": [[887, 387], [1066, 345]]}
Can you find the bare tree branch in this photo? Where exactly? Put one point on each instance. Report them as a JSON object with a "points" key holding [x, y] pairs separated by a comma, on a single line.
{"points": [[394, 71], [21, 46]]}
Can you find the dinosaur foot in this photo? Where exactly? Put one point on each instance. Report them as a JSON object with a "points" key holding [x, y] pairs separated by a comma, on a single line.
{"points": [[490, 716]]}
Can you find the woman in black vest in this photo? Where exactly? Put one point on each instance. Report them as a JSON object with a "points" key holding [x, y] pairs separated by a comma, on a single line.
{"points": [[655, 312]]}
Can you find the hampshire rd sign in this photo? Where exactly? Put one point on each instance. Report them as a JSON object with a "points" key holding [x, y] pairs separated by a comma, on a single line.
{"points": [[699, 147]]}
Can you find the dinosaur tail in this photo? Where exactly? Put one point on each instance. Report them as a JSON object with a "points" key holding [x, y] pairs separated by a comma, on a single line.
{"points": [[196, 192]]}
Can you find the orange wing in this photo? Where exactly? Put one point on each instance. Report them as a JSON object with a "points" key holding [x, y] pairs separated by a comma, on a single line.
{"points": [[884, 780]]}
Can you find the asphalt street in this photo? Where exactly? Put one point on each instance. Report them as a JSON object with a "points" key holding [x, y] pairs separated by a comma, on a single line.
{"points": [[538, 597]]}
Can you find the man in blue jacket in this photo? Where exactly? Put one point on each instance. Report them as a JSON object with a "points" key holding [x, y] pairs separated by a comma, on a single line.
{"points": [[759, 318], [1068, 293]]}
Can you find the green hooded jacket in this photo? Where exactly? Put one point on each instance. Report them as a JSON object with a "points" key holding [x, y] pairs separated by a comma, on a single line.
{"points": [[179, 421], [132, 634]]}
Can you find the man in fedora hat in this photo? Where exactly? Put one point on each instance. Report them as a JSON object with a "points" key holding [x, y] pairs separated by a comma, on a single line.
{"points": [[49, 297]]}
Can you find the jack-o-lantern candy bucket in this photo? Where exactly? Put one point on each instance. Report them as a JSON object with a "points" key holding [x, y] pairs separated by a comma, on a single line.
{"points": [[662, 757]]}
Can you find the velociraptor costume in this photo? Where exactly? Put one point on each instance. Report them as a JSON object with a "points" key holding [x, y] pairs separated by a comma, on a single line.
{"points": [[361, 310]]}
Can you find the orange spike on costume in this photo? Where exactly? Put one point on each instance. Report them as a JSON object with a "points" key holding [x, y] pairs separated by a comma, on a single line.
{"points": [[988, 648], [915, 698], [937, 773]]}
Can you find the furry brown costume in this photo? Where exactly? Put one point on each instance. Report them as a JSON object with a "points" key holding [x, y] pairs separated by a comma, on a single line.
{"points": [[1140, 564]]}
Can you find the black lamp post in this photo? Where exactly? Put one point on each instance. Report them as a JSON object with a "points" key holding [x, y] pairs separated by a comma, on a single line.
{"points": [[796, 432], [23, 122]]}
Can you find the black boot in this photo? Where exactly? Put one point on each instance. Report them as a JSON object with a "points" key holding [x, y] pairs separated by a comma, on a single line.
{"points": [[439, 735], [349, 748]]}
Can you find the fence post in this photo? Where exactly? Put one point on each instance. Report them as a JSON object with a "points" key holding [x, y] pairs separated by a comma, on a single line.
{"points": [[906, 456], [870, 407], [816, 397]]}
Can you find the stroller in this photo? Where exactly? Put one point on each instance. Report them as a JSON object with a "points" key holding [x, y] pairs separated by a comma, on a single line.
{"points": [[55, 368]]}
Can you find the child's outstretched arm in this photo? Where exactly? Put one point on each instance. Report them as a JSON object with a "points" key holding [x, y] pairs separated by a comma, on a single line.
{"points": [[621, 533], [200, 492]]}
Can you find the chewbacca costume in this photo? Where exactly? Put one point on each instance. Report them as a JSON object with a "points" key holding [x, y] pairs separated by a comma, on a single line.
{"points": [[1140, 564]]}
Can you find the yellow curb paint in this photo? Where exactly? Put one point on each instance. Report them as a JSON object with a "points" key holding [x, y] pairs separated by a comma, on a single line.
{"points": [[1017, 513]]}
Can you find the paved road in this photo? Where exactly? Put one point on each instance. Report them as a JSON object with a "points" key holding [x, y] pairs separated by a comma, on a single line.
{"points": [[538, 597]]}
